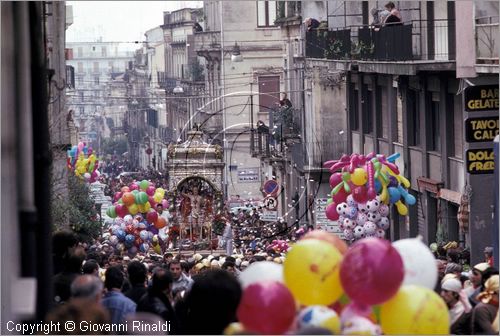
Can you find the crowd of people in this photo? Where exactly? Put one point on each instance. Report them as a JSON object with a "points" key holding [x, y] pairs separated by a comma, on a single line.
{"points": [[471, 296], [195, 294]]}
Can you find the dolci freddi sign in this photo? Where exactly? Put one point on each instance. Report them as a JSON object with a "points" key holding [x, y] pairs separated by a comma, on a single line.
{"points": [[480, 161], [481, 98]]}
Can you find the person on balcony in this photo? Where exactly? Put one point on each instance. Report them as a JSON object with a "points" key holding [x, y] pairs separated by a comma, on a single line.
{"points": [[197, 28], [394, 16], [311, 24], [284, 101]]}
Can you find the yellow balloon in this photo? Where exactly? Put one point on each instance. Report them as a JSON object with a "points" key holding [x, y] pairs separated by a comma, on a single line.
{"points": [[234, 328], [146, 206], [311, 272], [133, 209], [157, 198], [142, 208], [402, 209], [157, 248], [359, 177], [415, 310]]}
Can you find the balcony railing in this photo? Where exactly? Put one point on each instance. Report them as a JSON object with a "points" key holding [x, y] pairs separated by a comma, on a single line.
{"points": [[411, 41], [207, 41], [318, 152], [487, 31]]}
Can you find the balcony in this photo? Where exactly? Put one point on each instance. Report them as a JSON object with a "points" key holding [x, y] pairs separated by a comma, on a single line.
{"points": [[208, 44], [418, 40], [487, 40]]}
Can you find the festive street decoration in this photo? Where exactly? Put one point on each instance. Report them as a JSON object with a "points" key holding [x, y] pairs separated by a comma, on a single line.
{"points": [[83, 162], [363, 188]]}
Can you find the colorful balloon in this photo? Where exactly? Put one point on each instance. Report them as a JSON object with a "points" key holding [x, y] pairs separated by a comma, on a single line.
{"points": [[144, 185], [419, 263], [152, 216], [111, 212], [160, 223], [415, 310], [128, 199], [267, 308], [311, 271], [331, 212], [359, 177], [261, 271], [319, 317], [372, 271]]}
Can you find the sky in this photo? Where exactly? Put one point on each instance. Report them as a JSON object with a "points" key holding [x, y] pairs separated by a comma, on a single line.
{"points": [[118, 20]]}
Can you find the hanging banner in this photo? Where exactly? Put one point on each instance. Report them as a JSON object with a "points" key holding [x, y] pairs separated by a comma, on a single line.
{"points": [[481, 98], [481, 129], [480, 161]]}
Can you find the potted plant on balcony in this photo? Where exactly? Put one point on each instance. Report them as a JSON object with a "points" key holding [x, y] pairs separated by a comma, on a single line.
{"points": [[361, 50], [334, 49]]}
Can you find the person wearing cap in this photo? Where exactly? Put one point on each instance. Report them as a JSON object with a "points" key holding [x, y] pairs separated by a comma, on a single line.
{"points": [[476, 279], [244, 265], [459, 313], [485, 314]]}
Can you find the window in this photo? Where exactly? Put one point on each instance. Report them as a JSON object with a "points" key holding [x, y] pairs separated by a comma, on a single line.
{"points": [[266, 13], [354, 110], [103, 51], [80, 67], [413, 118], [96, 80], [79, 80], [367, 104], [96, 66], [82, 95], [269, 88], [434, 143], [80, 52], [110, 65], [81, 110], [382, 112], [458, 127]]}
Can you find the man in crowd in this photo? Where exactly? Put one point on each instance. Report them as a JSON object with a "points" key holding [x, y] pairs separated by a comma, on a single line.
{"points": [[117, 304], [156, 300], [87, 288], [137, 274], [180, 281], [459, 312]]}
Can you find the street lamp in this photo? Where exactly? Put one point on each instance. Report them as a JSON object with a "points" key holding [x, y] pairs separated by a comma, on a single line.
{"points": [[236, 54]]}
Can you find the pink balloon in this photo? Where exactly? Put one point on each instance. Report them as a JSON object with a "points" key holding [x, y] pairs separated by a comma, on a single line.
{"points": [[134, 186], [331, 212], [117, 196], [335, 179], [372, 271], [165, 204], [150, 190], [267, 308], [359, 194], [340, 196], [152, 216], [121, 210]]}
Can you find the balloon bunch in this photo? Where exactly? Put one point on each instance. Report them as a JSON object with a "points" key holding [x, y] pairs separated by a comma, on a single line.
{"points": [[371, 287], [83, 162], [279, 246], [133, 234], [362, 192], [139, 201]]}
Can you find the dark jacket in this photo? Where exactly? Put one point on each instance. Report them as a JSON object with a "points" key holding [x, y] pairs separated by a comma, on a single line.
{"points": [[62, 286], [482, 319], [159, 304], [462, 325], [136, 292]]}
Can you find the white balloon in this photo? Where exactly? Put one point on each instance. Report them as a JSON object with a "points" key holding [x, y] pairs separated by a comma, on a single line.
{"points": [[419, 262], [261, 271]]}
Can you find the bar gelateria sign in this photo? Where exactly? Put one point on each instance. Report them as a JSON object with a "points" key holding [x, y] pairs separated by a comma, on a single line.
{"points": [[480, 161], [481, 98]]}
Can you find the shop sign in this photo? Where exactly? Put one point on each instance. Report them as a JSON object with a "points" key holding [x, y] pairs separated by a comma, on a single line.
{"points": [[480, 161], [481, 98], [248, 175], [269, 216], [481, 129]]}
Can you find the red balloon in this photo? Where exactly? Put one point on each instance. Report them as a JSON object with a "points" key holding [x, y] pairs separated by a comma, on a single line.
{"points": [[331, 212], [160, 223], [151, 216], [125, 189], [134, 186], [372, 271], [359, 194], [340, 196], [130, 229], [267, 308], [335, 179], [150, 190], [138, 241]]}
